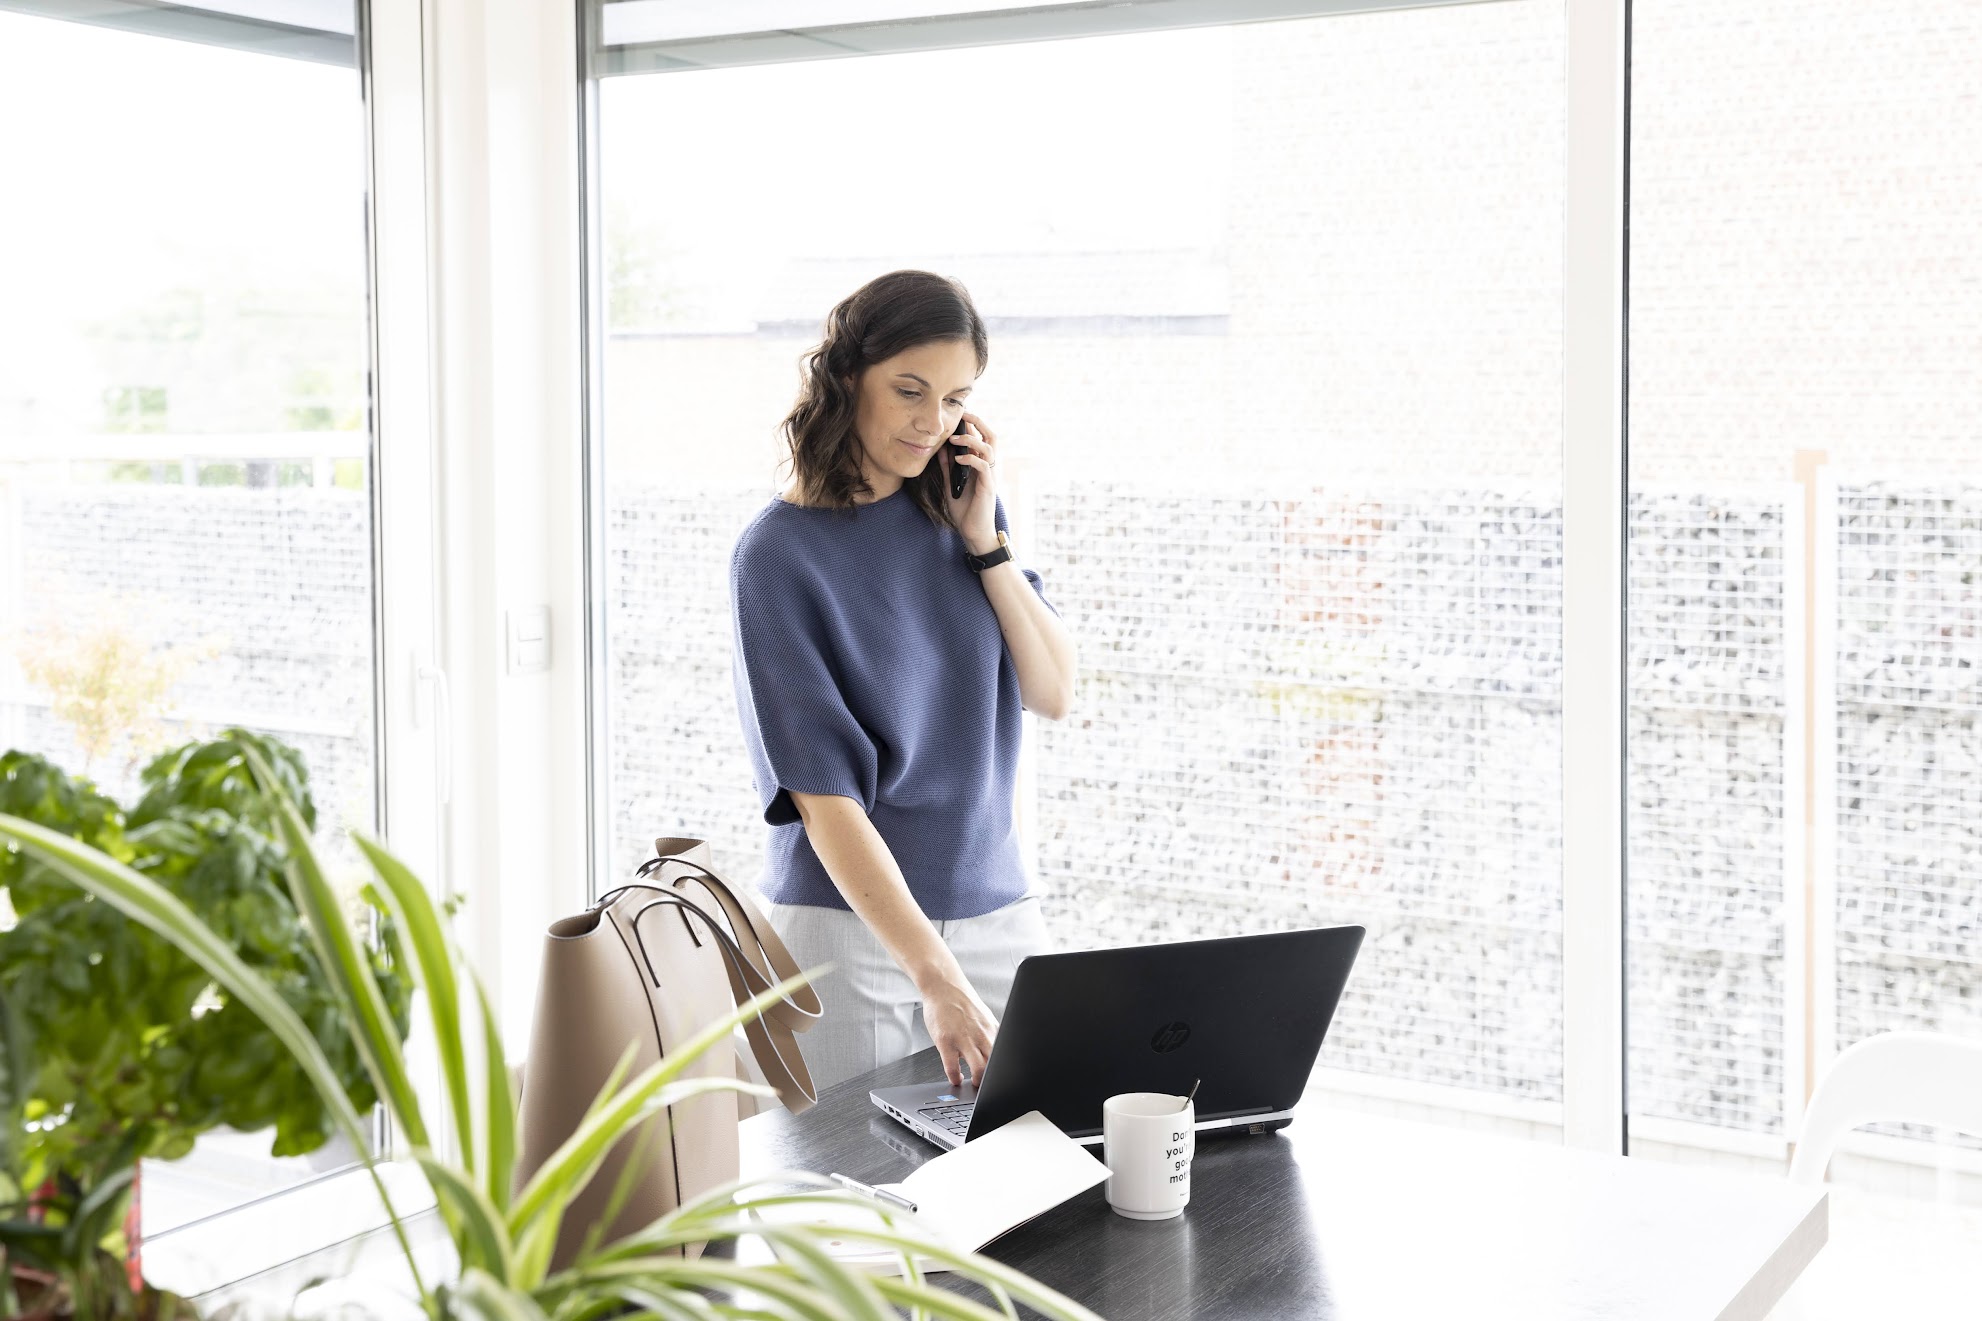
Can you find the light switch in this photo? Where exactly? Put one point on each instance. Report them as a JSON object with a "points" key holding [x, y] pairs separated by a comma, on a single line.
{"points": [[530, 639]]}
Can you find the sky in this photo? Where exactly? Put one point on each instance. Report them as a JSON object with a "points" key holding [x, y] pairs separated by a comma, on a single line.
{"points": [[147, 164], [1070, 145]]}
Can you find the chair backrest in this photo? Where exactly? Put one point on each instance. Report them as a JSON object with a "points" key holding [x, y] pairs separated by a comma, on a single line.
{"points": [[1908, 1077]]}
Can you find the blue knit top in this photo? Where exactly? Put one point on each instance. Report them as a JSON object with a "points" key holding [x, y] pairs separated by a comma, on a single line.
{"points": [[868, 662]]}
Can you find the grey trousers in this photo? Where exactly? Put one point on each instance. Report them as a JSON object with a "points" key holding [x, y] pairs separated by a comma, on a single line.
{"points": [[873, 1014]]}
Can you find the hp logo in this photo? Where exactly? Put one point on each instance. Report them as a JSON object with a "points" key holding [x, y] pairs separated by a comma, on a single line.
{"points": [[1169, 1037]]}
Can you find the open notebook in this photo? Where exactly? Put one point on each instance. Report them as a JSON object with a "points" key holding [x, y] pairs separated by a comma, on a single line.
{"points": [[969, 1196]]}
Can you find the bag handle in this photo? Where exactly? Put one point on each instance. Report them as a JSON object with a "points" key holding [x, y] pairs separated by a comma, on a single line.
{"points": [[770, 1041], [752, 932]]}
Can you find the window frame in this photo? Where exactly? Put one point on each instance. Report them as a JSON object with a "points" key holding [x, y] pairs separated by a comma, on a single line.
{"points": [[408, 711]]}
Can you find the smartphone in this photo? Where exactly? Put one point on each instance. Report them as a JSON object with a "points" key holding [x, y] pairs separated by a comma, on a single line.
{"points": [[959, 474]]}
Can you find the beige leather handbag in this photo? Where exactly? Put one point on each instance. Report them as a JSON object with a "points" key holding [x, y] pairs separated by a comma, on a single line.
{"points": [[655, 962]]}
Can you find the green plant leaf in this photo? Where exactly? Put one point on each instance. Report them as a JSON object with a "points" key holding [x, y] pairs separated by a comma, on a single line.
{"points": [[498, 1103], [609, 1124], [417, 925], [538, 1243], [149, 904], [630, 1172], [16, 1082], [32, 1244], [218, 773], [480, 1294], [939, 1301], [974, 1265], [339, 949], [138, 1050], [725, 1212], [777, 1283], [569, 1168], [146, 902], [850, 1288], [481, 1239], [666, 1306], [534, 1249], [714, 1215], [103, 1207]]}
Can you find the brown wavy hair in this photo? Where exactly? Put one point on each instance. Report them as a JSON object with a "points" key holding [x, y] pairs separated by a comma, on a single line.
{"points": [[890, 313]]}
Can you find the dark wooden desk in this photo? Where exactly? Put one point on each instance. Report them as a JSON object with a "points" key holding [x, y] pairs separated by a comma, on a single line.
{"points": [[1348, 1217]]}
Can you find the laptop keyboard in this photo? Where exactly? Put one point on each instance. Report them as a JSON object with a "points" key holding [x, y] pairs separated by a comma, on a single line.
{"points": [[955, 1118]]}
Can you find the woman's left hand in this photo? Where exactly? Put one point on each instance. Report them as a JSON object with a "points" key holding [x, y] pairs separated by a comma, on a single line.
{"points": [[976, 513]]}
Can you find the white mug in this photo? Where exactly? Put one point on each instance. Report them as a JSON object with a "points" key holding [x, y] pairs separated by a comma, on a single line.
{"points": [[1147, 1142]]}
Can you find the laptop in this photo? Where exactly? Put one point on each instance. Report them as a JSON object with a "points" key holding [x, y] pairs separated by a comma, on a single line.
{"points": [[1243, 1014]]}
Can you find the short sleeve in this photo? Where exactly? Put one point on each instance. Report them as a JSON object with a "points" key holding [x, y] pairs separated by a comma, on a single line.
{"points": [[800, 732], [1031, 575]]}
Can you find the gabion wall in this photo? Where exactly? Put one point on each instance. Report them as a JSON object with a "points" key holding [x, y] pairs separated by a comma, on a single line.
{"points": [[1334, 708], [1909, 760], [1330, 708], [277, 581], [1709, 701], [678, 762], [1337, 708], [1347, 709]]}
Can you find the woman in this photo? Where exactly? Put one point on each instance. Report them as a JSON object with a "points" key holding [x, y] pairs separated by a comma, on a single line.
{"points": [[880, 665]]}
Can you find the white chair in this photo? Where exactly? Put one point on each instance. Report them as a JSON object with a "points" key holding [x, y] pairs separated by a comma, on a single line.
{"points": [[1888, 1255], [1909, 1077]]}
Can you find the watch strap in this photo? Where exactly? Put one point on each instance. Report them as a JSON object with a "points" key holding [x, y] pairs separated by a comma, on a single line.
{"points": [[979, 563]]}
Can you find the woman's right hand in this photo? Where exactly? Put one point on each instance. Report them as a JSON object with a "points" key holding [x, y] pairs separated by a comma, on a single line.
{"points": [[960, 1025], [857, 858]]}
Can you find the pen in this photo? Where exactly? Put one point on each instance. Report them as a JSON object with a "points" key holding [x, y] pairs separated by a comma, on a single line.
{"points": [[869, 1189]]}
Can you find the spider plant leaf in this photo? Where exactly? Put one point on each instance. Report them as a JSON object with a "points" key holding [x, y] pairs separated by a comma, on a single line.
{"points": [[777, 1283], [417, 926], [549, 1214], [559, 1179], [480, 1237], [483, 1297], [346, 967], [498, 1133]]}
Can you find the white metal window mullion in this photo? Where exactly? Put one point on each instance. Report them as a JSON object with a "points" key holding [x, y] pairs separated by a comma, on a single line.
{"points": [[1593, 580], [594, 604], [412, 703], [1017, 488], [403, 462], [1822, 974], [1796, 901]]}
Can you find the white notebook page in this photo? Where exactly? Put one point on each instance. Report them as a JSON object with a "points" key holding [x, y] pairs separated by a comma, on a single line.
{"points": [[999, 1181]]}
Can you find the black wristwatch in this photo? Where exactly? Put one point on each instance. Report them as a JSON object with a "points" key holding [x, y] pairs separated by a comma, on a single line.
{"points": [[979, 563]]}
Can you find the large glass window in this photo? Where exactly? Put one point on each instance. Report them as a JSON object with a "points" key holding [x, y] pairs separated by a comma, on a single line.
{"points": [[1275, 319], [1806, 534], [184, 448]]}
